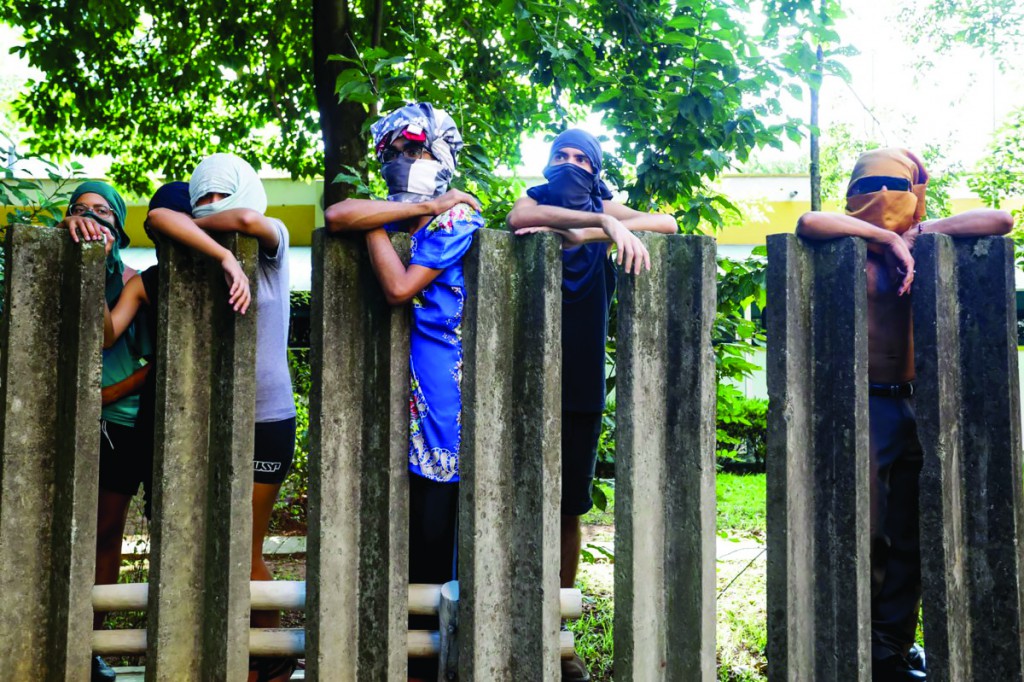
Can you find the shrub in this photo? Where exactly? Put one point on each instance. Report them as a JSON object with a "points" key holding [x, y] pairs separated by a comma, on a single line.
{"points": [[741, 431]]}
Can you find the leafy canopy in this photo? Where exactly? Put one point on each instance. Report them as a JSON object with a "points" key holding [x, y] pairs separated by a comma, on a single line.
{"points": [[686, 88]]}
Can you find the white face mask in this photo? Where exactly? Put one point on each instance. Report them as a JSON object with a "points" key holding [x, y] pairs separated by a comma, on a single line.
{"points": [[416, 180]]}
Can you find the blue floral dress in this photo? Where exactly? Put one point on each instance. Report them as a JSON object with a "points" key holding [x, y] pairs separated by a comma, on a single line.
{"points": [[435, 358]]}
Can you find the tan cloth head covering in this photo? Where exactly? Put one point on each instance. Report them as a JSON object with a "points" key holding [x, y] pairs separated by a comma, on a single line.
{"points": [[891, 210]]}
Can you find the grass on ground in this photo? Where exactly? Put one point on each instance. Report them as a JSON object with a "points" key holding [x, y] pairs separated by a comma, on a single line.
{"points": [[741, 505], [741, 631]]}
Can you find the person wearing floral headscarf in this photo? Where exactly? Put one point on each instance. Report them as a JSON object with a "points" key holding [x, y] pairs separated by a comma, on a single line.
{"points": [[417, 147], [885, 205]]}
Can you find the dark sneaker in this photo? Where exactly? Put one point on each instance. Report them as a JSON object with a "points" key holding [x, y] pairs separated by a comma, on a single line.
{"points": [[574, 670], [101, 672]]}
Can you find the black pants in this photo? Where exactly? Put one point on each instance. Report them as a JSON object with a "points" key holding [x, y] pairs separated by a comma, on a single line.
{"points": [[433, 511], [895, 540]]}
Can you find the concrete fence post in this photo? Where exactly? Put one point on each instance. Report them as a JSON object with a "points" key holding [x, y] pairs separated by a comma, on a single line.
{"points": [[665, 465], [50, 339], [968, 407], [818, 466], [357, 561], [202, 509], [511, 465]]}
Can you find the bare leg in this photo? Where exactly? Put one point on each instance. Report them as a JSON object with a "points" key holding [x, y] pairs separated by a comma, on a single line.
{"points": [[572, 540], [263, 497], [110, 519]]}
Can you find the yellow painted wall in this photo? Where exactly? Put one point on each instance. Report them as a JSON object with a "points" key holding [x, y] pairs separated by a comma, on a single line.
{"points": [[781, 216]]}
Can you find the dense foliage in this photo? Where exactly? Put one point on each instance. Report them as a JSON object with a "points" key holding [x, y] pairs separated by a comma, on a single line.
{"points": [[686, 88]]}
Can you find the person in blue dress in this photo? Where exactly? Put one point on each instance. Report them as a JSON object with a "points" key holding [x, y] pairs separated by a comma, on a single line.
{"points": [[576, 204], [417, 146]]}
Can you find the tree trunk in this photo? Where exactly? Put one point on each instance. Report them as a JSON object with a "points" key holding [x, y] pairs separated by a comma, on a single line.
{"points": [[816, 83], [341, 123], [816, 137]]}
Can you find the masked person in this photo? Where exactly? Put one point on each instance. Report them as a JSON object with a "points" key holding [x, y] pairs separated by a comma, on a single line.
{"points": [[225, 195], [97, 212], [135, 309], [417, 147], [885, 205], [576, 204]]}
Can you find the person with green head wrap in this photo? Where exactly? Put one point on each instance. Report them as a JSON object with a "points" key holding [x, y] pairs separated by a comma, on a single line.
{"points": [[97, 212]]}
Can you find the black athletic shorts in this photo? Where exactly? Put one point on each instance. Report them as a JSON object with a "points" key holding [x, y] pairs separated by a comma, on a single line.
{"points": [[273, 451], [126, 460], [580, 432]]}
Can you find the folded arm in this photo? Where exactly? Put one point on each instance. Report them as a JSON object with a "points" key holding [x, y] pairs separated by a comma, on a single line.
{"points": [[577, 227], [817, 225], [363, 215], [192, 233], [244, 221], [125, 387], [184, 230]]}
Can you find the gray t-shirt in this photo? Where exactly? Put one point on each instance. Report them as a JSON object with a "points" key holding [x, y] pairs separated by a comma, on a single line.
{"points": [[274, 398]]}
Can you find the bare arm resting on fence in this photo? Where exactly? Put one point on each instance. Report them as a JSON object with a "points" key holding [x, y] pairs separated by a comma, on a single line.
{"points": [[244, 221], [578, 227], [818, 225], [363, 215], [979, 222], [183, 229], [400, 283]]}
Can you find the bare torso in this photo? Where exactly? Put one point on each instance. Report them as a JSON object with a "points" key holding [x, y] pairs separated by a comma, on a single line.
{"points": [[890, 326]]}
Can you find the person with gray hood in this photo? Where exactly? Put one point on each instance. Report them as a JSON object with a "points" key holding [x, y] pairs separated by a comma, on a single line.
{"points": [[226, 195]]}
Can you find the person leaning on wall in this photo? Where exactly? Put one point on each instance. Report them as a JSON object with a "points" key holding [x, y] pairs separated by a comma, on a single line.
{"points": [[885, 205], [225, 194], [97, 213], [576, 204], [417, 146]]}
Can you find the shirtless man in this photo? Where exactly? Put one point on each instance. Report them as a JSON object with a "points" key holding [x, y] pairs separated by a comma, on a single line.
{"points": [[885, 205]]}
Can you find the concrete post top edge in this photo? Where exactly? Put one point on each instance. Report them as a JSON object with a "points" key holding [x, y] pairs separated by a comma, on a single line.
{"points": [[704, 238], [44, 232]]}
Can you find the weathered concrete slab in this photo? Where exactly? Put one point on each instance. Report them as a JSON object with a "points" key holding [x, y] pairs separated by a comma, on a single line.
{"points": [[510, 463], [937, 359], [357, 564], [818, 461], [205, 412], [990, 424], [665, 465], [50, 335]]}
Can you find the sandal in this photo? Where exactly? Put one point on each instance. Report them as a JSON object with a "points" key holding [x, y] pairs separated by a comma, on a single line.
{"points": [[268, 669]]}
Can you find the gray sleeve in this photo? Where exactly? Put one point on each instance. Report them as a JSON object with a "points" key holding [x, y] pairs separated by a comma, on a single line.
{"points": [[273, 260]]}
